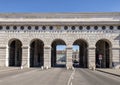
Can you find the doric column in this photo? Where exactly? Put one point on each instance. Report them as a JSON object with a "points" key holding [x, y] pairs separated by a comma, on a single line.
{"points": [[91, 58], [47, 56], [2, 56], [7, 56], [115, 58], [69, 52], [25, 56]]}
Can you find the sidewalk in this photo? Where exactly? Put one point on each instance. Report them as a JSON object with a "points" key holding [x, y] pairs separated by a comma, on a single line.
{"points": [[115, 72], [8, 68]]}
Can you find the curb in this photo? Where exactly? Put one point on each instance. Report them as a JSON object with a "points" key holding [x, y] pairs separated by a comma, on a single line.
{"points": [[8, 70], [108, 73]]}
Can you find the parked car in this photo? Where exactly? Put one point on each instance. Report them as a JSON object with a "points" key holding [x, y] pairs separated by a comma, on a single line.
{"points": [[75, 63]]}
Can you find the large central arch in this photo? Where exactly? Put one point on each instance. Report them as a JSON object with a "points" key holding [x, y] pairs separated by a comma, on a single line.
{"points": [[103, 54], [36, 53], [54, 53], [82, 55], [15, 52]]}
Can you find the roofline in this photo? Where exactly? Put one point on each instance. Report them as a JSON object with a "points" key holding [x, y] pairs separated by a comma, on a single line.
{"points": [[57, 14]]}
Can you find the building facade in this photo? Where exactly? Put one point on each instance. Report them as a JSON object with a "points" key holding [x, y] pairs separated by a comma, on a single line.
{"points": [[30, 39]]}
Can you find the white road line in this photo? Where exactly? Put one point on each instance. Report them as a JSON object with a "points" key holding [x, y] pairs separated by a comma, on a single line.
{"points": [[71, 77]]}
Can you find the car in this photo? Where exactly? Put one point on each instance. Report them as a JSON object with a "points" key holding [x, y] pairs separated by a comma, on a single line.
{"points": [[75, 63]]}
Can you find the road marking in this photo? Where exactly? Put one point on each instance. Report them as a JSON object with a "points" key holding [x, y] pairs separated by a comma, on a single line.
{"points": [[71, 77]]}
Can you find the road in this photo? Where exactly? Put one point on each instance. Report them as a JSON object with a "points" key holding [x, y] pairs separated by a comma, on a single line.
{"points": [[57, 76], [89, 77]]}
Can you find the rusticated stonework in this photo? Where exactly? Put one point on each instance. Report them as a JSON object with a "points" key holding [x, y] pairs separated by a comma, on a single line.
{"points": [[92, 29]]}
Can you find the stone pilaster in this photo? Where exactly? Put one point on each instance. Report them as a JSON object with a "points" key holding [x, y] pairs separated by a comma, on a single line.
{"points": [[7, 57], [115, 57], [91, 57], [2, 56], [25, 57], [47, 56], [69, 57]]}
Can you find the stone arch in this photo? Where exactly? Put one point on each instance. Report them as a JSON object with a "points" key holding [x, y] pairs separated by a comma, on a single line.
{"points": [[36, 39], [106, 40], [12, 39], [82, 54], [58, 39], [15, 52], [36, 53], [54, 52], [103, 55]]}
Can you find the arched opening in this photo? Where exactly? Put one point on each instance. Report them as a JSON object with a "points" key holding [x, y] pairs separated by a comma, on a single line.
{"points": [[103, 54], [36, 53], [15, 53], [80, 54], [58, 53]]}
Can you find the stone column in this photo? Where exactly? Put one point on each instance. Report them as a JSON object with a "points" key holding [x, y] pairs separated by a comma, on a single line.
{"points": [[115, 58], [7, 57], [91, 58], [47, 56], [25, 57], [69, 52], [2, 56]]}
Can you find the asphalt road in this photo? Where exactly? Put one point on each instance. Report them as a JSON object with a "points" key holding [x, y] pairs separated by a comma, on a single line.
{"points": [[57, 76], [88, 77]]}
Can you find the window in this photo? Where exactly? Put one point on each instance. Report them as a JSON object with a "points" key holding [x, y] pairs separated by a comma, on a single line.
{"points": [[14, 27], [80, 27], [22, 27], [96, 27], [43, 27], [111, 27], [7, 27], [73, 27], [118, 27], [65, 27], [29, 27], [1, 27], [36, 27], [51, 27], [88, 28], [103, 27]]}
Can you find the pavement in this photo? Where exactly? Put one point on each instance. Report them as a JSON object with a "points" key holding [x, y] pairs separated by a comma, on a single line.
{"points": [[115, 72], [55, 76], [89, 77], [8, 68], [58, 76]]}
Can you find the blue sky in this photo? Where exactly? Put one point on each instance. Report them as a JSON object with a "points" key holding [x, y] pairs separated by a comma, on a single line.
{"points": [[59, 5], [63, 47]]}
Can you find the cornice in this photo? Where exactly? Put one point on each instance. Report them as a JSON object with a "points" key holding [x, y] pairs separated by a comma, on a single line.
{"points": [[63, 23], [58, 15]]}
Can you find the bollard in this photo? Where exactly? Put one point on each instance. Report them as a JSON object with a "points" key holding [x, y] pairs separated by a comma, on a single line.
{"points": [[42, 67], [67, 68], [46, 67], [93, 68], [21, 67], [73, 68]]}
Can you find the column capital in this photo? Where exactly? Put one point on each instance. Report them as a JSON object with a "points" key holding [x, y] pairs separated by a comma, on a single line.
{"points": [[69, 47], [47, 46], [3, 47], [115, 48], [25, 47], [92, 48]]}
